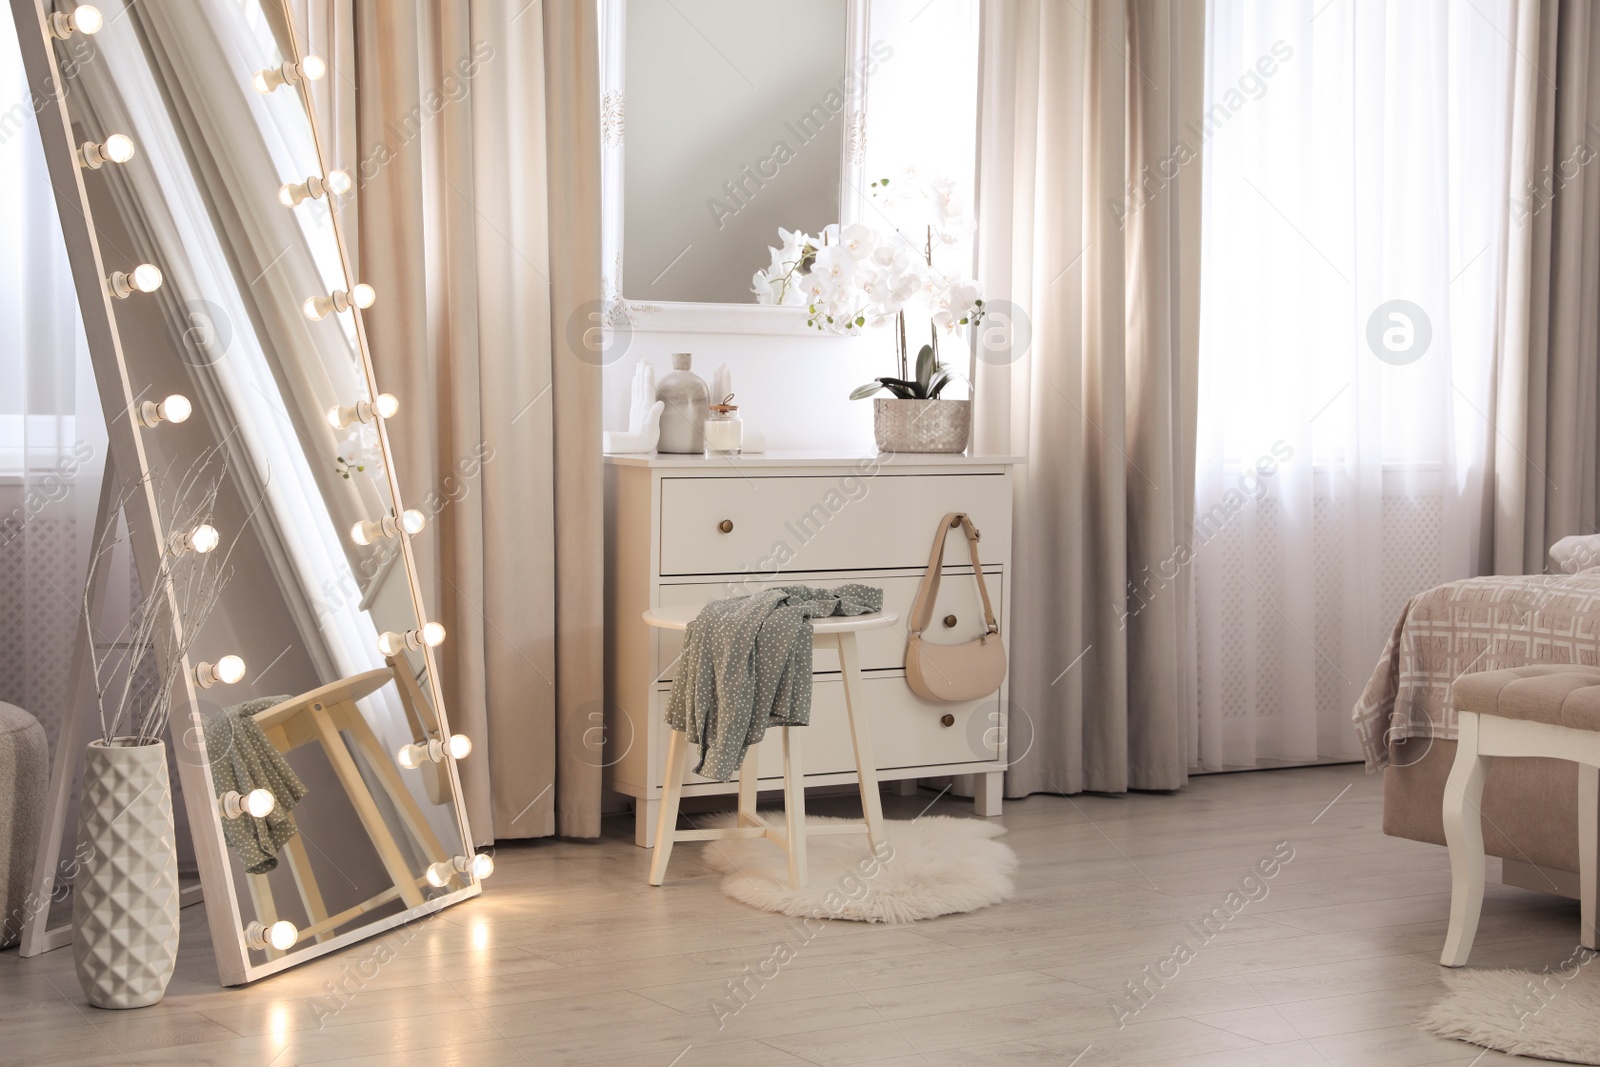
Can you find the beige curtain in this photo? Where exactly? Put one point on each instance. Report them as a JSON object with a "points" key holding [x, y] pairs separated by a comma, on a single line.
{"points": [[1090, 228], [1544, 458], [477, 133]]}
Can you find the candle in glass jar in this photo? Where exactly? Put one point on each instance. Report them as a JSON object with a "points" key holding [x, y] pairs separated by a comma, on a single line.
{"points": [[724, 430]]}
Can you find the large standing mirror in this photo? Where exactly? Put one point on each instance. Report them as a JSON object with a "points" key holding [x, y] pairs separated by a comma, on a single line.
{"points": [[256, 321], [724, 120]]}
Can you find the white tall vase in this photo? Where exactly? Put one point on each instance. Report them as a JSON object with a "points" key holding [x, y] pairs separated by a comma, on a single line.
{"points": [[125, 900]]}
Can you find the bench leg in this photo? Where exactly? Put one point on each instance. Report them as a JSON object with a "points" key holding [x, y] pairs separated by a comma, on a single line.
{"points": [[748, 772], [1463, 831], [794, 807], [671, 789], [1588, 847]]}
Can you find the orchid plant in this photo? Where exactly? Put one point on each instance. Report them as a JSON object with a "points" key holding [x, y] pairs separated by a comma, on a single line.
{"points": [[853, 277]]}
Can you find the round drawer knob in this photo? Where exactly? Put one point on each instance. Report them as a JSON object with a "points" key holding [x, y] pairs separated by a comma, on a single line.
{"points": [[947, 719], [726, 526], [949, 620]]}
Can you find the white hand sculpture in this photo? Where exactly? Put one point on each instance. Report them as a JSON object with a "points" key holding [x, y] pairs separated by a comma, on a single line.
{"points": [[644, 415]]}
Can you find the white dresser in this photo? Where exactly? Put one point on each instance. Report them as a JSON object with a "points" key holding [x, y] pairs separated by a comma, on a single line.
{"points": [[685, 530]]}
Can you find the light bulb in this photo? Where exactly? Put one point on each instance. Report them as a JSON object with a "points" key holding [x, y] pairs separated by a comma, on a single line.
{"points": [[227, 670], [313, 68], [118, 148], [230, 669], [204, 538], [85, 19], [432, 635], [316, 308], [260, 803], [288, 195], [412, 521], [361, 533], [411, 756], [391, 643], [386, 405], [439, 874], [482, 866], [338, 182], [265, 80], [363, 295], [281, 935], [175, 408], [145, 278], [459, 746]]}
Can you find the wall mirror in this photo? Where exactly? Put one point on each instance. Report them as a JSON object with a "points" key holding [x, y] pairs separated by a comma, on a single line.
{"points": [[723, 120], [248, 312]]}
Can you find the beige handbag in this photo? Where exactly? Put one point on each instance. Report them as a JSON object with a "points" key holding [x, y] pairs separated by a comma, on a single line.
{"points": [[953, 672]]}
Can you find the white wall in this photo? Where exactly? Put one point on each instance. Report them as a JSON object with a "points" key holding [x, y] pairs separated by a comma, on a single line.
{"points": [[794, 389]]}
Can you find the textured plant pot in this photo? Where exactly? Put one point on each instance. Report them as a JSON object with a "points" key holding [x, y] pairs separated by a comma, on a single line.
{"points": [[125, 899], [921, 425]]}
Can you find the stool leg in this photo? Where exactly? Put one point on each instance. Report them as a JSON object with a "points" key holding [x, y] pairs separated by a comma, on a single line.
{"points": [[671, 790], [747, 787], [1463, 831], [794, 807], [861, 734], [1588, 846]]}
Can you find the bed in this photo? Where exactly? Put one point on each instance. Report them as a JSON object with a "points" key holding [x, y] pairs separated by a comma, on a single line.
{"points": [[1407, 725]]}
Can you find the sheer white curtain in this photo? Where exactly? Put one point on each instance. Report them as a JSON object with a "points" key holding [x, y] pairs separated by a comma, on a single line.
{"points": [[52, 439], [1354, 240]]}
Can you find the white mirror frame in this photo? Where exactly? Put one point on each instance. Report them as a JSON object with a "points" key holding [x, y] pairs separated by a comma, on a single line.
{"points": [[683, 316], [127, 454]]}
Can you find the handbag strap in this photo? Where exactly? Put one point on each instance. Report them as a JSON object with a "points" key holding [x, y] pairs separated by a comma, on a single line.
{"points": [[928, 591]]}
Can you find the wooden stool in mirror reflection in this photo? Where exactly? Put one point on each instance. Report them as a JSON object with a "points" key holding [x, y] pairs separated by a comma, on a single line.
{"points": [[836, 632], [322, 717]]}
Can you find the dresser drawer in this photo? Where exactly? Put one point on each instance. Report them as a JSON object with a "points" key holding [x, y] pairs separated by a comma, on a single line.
{"points": [[907, 731], [880, 649], [769, 526]]}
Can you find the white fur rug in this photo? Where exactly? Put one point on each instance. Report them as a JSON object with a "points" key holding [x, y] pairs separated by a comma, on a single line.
{"points": [[935, 865], [1553, 1014]]}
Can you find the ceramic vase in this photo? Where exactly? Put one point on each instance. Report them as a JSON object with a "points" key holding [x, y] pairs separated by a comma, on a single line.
{"points": [[125, 898], [921, 425], [687, 405]]}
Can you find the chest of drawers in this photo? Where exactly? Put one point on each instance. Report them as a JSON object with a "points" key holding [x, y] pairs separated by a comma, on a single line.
{"points": [[684, 530]]}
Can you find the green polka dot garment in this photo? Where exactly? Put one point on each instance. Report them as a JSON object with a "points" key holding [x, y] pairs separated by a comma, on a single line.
{"points": [[243, 759], [746, 665]]}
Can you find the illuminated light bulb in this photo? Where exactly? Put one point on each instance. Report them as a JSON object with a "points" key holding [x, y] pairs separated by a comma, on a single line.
{"points": [[258, 803], [314, 188], [363, 295], [145, 278], [227, 670], [480, 866], [412, 521], [386, 405], [368, 531], [318, 308], [266, 80], [175, 408], [392, 644], [281, 935], [85, 19], [201, 539], [313, 68], [433, 750], [365, 532], [432, 634], [118, 148]]}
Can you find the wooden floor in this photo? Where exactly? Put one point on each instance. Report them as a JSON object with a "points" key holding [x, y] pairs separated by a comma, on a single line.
{"points": [[570, 958]]}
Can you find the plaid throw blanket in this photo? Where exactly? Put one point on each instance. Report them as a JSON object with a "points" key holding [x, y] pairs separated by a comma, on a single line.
{"points": [[1478, 624]]}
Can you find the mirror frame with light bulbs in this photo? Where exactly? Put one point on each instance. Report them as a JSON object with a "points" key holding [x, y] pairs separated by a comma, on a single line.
{"points": [[127, 418]]}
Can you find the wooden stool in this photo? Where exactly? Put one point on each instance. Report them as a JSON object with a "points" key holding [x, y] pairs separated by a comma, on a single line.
{"points": [[835, 631], [320, 717], [1549, 710]]}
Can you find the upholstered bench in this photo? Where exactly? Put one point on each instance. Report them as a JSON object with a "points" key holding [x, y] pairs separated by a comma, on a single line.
{"points": [[24, 782], [1550, 710]]}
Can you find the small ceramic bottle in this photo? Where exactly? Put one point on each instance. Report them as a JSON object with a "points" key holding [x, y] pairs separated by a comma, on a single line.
{"points": [[687, 404]]}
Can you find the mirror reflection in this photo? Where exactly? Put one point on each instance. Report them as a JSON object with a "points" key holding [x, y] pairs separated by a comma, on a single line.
{"points": [[324, 754], [736, 120]]}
